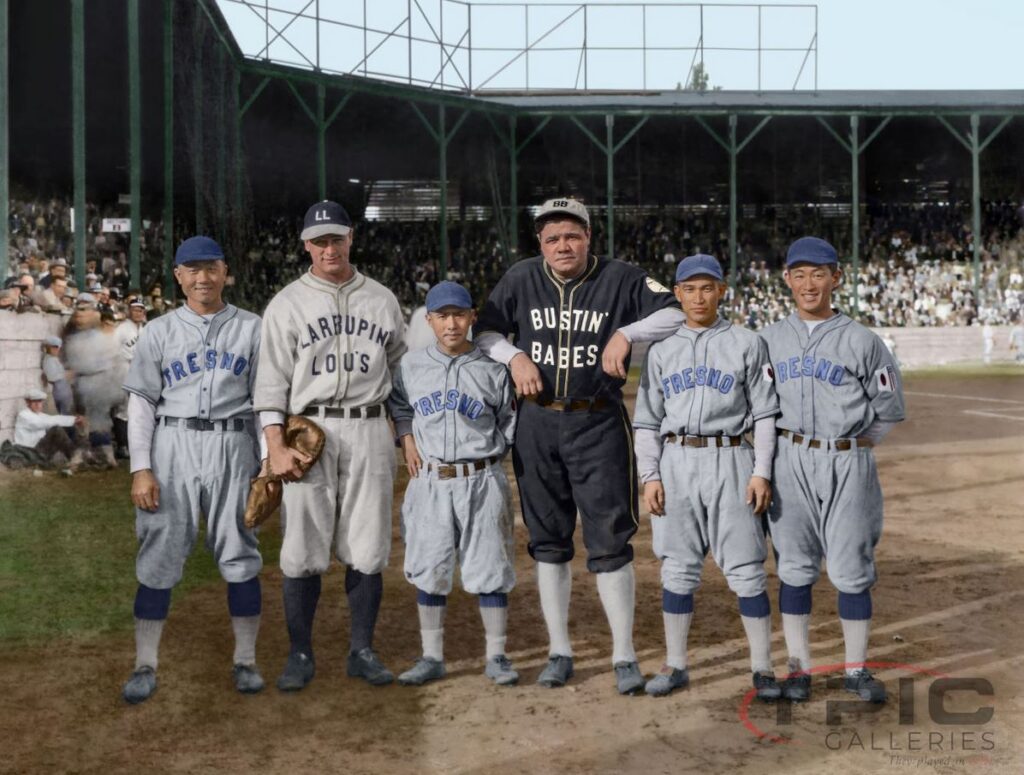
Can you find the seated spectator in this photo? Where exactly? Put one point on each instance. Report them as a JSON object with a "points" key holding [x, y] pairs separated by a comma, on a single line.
{"points": [[44, 433]]}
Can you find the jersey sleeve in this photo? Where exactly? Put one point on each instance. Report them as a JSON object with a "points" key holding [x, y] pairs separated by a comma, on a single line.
{"points": [[145, 377], [506, 413], [398, 402], [254, 355], [650, 400], [278, 340], [650, 296], [761, 395], [396, 347], [499, 312], [883, 383]]}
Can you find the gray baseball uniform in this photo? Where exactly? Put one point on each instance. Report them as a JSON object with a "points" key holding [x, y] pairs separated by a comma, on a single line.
{"points": [[461, 412], [833, 383], [56, 375], [711, 382], [328, 352], [198, 371]]}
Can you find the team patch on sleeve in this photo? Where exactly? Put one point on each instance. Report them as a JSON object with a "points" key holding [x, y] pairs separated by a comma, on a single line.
{"points": [[768, 373], [886, 379], [656, 287]]}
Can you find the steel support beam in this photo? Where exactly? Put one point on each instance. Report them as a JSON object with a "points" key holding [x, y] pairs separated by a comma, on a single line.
{"points": [[5, 166], [78, 132], [168, 285], [134, 143], [321, 142], [220, 126], [197, 125], [513, 185]]}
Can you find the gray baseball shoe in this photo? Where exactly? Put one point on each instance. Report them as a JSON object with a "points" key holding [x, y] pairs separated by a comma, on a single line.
{"points": [[140, 685], [768, 689], [667, 681], [499, 669], [298, 671], [557, 672], [628, 678], [865, 686], [425, 670], [247, 679], [365, 664]]}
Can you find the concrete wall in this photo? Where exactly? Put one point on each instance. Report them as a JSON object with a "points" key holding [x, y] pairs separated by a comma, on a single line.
{"points": [[21, 339]]}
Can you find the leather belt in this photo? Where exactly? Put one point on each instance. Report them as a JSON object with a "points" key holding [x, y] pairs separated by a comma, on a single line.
{"points": [[841, 445], [704, 441], [452, 470], [197, 424], [351, 413], [571, 404]]}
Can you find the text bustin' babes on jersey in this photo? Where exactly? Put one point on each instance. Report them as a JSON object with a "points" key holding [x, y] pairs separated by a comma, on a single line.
{"points": [[564, 325]]}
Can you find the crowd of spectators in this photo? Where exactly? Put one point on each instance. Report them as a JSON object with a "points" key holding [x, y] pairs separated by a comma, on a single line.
{"points": [[916, 261]]}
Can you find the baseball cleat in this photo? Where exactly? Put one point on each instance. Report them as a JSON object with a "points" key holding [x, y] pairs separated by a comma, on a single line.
{"points": [[628, 678], [499, 669], [298, 671], [365, 664], [247, 679], [768, 689], [865, 685], [797, 687], [667, 681], [140, 686], [557, 672], [425, 670]]}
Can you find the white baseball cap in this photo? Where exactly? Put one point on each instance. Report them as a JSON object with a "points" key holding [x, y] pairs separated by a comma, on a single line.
{"points": [[574, 208], [35, 394]]}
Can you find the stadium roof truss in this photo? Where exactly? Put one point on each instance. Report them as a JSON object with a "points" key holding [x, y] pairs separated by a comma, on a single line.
{"points": [[457, 87]]}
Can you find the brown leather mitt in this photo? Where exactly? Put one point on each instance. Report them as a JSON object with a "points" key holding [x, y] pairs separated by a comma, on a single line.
{"points": [[265, 491]]}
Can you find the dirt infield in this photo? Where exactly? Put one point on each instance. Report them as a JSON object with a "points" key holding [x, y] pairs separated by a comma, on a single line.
{"points": [[951, 565]]}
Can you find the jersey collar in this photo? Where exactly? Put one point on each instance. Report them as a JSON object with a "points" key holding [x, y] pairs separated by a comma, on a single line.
{"points": [[443, 358], [327, 286], [805, 338], [589, 270], [720, 324]]}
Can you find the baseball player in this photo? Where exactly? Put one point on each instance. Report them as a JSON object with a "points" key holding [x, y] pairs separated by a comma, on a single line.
{"points": [[1017, 342], [127, 334], [194, 448], [330, 342], [840, 392], [56, 375], [700, 391], [572, 318], [454, 412]]}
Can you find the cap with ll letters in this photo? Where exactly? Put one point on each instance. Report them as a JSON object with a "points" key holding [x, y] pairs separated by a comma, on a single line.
{"points": [[325, 218], [448, 294], [699, 264], [564, 206], [811, 250]]}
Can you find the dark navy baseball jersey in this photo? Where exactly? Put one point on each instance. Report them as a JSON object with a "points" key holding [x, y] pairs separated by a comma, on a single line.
{"points": [[564, 326]]}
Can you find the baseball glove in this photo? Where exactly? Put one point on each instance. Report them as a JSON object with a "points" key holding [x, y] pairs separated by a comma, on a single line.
{"points": [[265, 491]]}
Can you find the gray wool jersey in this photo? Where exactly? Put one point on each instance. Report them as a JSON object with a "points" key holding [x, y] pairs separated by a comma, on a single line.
{"points": [[834, 381], [459, 408], [188, 365], [705, 382]]}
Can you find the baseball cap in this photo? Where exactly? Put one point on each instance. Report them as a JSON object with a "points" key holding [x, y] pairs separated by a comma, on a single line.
{"points": [[136, 302], [35, 394], [698, 264], [811, 250], [96, 288], [198, 249], [53, 341], [324, 218], [86, 299], [448, 294], [564, 206]]}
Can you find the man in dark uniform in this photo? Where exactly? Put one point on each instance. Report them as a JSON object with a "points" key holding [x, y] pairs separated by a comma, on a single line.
{"points": [[572, 318]]}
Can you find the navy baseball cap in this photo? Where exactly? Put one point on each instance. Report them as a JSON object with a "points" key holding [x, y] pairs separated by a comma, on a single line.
{"points": [[698, 264], [448, 294], [811, 250], [325, 218], [198, 249]]}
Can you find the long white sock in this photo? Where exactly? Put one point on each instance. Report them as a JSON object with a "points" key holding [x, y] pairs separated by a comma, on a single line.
{"points": [[618, 596], [855, 635], [798, 642], [147, 641], [554, 582], [759, 636], [495, 619], [432, 630], [246, 629], [677, 629]]}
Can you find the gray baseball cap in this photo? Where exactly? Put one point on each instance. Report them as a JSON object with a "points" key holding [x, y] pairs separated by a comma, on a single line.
{"points": [[564, 206], [35, 394]]}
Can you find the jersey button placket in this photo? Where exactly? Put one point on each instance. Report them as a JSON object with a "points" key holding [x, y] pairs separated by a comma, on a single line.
{"points": [[450, 377]]}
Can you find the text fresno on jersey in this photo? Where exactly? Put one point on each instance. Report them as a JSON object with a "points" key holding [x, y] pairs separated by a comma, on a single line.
{"points": [[580, 320]]}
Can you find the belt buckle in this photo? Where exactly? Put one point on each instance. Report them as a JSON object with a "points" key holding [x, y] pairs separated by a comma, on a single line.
{"points": [[446, 472]]}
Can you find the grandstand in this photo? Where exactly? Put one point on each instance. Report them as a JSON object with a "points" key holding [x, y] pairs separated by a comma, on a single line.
{"points": [[228, 117]]}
